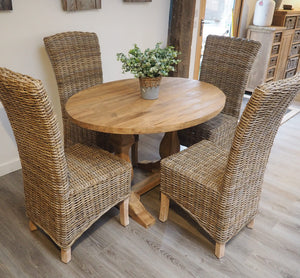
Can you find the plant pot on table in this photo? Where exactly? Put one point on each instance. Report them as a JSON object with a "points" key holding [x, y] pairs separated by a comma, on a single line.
{"points": [[149, 87]]}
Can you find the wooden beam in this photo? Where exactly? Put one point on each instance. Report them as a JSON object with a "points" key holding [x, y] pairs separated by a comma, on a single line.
{"points": [[181, 33], [199, 40], [237, 14]]}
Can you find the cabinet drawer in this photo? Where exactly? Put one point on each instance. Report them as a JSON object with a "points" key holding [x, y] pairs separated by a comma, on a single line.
{"points": [[290, 73], [277, 37], [297, 36], [292, 63], [270, 73], [295, 49], [273, 62], [290, 22], [275, 49]]}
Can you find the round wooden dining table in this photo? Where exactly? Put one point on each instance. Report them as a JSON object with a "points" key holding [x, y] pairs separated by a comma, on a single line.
{"points": [[117, 108]]}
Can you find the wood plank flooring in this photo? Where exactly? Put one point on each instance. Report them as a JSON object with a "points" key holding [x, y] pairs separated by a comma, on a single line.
{"points": [[176, 248]]}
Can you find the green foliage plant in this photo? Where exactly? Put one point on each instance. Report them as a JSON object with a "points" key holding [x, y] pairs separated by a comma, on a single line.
{"points": [[150, 63]]}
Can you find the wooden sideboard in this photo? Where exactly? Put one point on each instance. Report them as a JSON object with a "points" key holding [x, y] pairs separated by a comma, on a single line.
{"points": [[279, 55]]}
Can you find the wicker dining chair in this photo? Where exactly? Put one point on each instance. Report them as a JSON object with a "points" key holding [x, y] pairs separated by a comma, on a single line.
{"points": [[76, 61], [226, 64], [219, 188], [66, 189]]}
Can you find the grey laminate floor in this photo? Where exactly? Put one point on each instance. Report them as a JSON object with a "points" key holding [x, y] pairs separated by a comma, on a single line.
{"points": [[176, 248]]}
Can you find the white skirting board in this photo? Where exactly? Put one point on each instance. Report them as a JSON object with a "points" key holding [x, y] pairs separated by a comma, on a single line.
{"points": [[10, 166]]}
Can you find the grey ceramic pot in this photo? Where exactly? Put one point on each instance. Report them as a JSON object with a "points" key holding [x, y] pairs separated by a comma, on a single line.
{"points": [[149, 92]]}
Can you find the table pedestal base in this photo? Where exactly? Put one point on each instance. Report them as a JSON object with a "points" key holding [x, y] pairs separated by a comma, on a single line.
{"points": [[138, 212], [122, 144]]}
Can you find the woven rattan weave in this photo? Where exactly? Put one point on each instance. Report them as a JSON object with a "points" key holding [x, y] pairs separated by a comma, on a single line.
{"points": [[150, 81], [66, 191], [76, 61], [226, 64], [221, 189]]}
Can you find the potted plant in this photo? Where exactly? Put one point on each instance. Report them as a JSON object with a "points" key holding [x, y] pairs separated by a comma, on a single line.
{"points": [[149, 66]]}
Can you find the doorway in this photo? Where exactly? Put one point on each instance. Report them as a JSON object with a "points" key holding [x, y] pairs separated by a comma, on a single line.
{"points": [[216, 17]]}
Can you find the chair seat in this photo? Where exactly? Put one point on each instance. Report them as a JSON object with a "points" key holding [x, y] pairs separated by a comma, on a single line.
{"points": [[89, 166], [219, 130], [196, 175]]}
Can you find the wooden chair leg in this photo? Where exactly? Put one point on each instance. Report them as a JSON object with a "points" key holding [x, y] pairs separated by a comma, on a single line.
{"points": [[220, 250], [164, 207], [124, 212], [250, 225], [32, 227], [65, 255]]}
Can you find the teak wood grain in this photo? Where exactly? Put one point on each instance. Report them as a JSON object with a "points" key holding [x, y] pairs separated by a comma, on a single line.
{"points": [[116, 107]]}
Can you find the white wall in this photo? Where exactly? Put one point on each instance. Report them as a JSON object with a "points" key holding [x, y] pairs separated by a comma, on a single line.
{"points": [[118, 25], [294, 3]]}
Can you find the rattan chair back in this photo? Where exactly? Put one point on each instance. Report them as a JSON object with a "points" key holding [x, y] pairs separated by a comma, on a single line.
{"points": [[226, 64], [252, 144], [37, 135], [76, 61]]}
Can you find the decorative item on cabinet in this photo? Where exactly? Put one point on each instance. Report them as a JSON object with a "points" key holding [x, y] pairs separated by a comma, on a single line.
{"points": [[287, 7], [263, 14]]}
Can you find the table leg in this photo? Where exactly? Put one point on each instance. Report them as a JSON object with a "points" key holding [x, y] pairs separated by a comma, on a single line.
{"points": [[103, 141], [134, 151], [137, 211], [169, 144], [122, 144]]}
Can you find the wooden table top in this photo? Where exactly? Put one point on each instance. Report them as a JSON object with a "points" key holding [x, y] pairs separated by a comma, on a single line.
{"points": [[117, 107]]}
